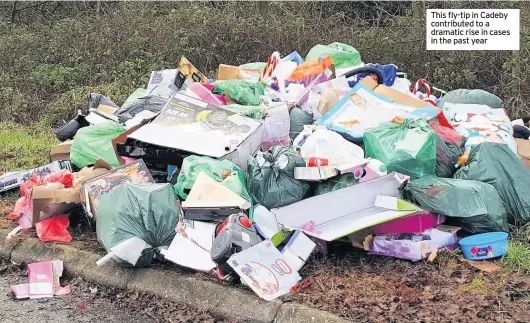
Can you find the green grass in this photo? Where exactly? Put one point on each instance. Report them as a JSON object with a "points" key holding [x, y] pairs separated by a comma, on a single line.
{"points": [[24, 147], [517, 257]]}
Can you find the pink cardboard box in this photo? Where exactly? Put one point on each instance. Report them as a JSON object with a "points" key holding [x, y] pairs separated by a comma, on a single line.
{"points": [[414, 223]]}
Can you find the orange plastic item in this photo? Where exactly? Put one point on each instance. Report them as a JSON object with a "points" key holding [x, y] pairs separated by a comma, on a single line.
{"points": [[306, 72], [463, 159]]}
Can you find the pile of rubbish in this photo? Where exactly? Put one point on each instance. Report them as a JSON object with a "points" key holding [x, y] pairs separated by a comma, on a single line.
{"points": [[244, 176]]}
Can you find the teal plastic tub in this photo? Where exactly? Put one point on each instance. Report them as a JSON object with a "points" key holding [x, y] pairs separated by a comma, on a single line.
{"points": [[485, 245]]}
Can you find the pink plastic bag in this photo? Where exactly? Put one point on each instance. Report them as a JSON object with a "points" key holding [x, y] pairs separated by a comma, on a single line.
{"points": [[54, 229]]}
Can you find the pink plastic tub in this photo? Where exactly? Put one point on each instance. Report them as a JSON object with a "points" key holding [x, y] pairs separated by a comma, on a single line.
{"points": [[414, 223]]}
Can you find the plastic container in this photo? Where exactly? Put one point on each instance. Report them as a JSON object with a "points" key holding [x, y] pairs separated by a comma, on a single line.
{"points": [[485, 245], [202, 92], [415, 223]]}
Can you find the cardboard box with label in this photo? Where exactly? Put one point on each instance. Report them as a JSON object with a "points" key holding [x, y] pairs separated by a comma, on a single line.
{"points": [[51, 199], [395, 95], [339, 213], [13, 180], [94, 188], [194, 126]]}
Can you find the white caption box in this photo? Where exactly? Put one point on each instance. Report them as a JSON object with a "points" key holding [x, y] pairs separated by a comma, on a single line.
{"points": [[473, 29]]}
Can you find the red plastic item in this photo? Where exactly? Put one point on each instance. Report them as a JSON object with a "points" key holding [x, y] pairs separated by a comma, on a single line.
{"points": [[245, 222], [301, 285], [54, 229], [446, 134]]}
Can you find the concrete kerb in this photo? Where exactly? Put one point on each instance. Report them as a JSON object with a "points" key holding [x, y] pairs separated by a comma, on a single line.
{"points": [[219, 300]]}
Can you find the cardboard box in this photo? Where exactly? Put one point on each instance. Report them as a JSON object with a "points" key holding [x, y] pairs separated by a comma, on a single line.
{"points": [[229, 72], [395, 95], [163, 83], [265, 270], [13, 180], [523, 150], [194, 126], [192, 245], [314, 173], [61, 151], [51, 199], [166, 82], [339, 213], [188, 74], [94, 188]]}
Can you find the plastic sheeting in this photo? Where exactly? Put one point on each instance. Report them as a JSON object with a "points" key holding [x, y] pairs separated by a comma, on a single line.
{"points": [[475, 206], [148, 212], [498, 166]]}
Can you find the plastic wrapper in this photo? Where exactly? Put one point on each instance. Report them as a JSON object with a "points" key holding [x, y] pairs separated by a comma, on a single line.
{"points": [[94, 142], [408, 148], [498, 166], [270, 179], [475, 206]]}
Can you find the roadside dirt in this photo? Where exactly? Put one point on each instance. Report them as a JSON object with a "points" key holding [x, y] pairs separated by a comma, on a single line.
{"points": [[365, 288], [89, 303]]}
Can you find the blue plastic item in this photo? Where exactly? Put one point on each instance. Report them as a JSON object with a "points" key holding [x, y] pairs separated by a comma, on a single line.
{"points": [[485, 245], [170, 171]]}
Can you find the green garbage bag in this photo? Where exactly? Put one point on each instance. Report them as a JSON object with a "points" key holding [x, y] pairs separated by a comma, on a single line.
{"points": [[242, 91], [336, 183], [408, 148], [343, 55], [148, 212], [475, 206], [193, 165], [260, 66], [138, 93], [447, 154], [270, 177], [497, 165], [94, 142], [471, 97], [250, 111], [299, 118]]}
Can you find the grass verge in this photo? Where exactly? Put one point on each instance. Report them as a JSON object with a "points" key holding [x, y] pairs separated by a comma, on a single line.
{"points": [[24, 146]]}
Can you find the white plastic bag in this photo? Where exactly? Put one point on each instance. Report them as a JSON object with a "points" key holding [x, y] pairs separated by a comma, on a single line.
{"points": [[326, 144], [277, 126]]}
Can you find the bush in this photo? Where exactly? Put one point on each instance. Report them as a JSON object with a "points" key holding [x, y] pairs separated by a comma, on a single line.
{"points": [[49, 63]]}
